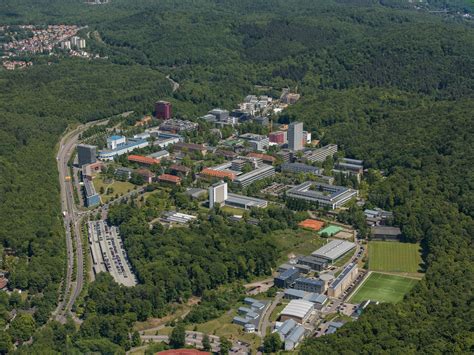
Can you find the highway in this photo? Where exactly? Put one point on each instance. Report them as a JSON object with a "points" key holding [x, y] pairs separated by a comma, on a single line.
{"points": [[72, 224]]}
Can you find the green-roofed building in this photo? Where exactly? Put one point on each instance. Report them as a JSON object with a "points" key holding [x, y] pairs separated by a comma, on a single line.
{"points": [[330, 230]]}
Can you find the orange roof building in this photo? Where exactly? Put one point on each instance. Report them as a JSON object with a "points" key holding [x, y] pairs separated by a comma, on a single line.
{"points": [[265, 157], [170, 178], [220, 174], [311, 224], [140, 159]]}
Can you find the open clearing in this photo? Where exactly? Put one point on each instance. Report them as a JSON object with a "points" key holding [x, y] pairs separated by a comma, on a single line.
{"points": [[394, 257], [118, 188], [297, 242], [223, 326], [383, 288]]}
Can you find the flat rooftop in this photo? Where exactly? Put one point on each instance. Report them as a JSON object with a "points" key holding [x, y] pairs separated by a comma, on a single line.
{"points": [[245, 200], [264, 168], [298, 308], [129, 144], [318, 190], [334, 249]]}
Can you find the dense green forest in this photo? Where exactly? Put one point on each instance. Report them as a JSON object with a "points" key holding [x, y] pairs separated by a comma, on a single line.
{"points": [[390, 84], [36, 107]]}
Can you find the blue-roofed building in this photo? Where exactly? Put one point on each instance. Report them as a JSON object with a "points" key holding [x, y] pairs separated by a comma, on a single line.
{"points": [[249, 317], [119, 145], [295, 337], [333, 327], [92, 197], [258, 305], [286, 278], [291, 333], [240, 321], [248, 313], [252, 315], [318, 299], [285, 329], [309, 285], [244, 310], [292, 294], [250, 300], [115, 141]]}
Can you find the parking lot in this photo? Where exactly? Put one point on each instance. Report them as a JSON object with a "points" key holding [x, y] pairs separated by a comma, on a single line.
{"points": [[108, 253]]}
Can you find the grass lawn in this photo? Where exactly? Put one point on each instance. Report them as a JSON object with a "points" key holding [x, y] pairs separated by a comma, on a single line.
{"points": [[298, 242], [233, 211], [383, 288], [345, 258], [276, 312], [120, 187], [394, 257], [223, 326]]}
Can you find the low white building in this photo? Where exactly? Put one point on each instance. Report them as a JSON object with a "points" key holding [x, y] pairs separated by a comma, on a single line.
{"points": [[298, 310]]}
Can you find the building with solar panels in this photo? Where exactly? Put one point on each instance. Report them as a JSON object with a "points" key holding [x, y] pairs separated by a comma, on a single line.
{"points": [[345, 278]]}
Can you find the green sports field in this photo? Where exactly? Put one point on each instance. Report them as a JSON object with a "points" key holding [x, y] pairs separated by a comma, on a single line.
{"points": [[394, 257], [383, 288]]}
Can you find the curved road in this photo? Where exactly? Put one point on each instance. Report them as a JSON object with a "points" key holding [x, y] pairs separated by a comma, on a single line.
{"points": [[72, 224]]}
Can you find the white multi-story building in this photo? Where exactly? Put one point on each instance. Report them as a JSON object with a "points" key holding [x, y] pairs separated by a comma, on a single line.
{"points": [[217, 194]]}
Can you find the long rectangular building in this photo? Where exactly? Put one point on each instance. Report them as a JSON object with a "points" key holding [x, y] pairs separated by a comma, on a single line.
{"points": [[296, 168], [345, 278], [92, 197], [124, 147], [322, 194], [260, 173], [320, 154], [245, 202], [334, 250]]}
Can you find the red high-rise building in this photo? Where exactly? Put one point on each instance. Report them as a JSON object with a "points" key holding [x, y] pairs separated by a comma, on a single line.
{"points": [[278, 137], [163, 110]]}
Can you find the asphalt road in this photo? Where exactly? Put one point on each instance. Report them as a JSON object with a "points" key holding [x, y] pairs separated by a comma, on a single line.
{"points": [[265, 321], [72, 224]]}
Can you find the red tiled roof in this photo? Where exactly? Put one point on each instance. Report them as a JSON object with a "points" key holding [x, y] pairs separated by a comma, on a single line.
{"points": [[170, 178], [143, 160], [218, 173]]}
